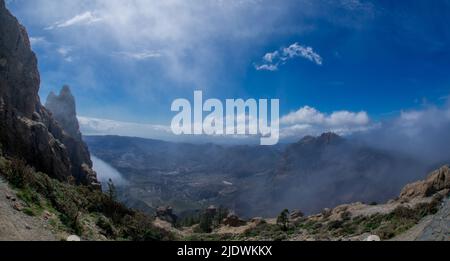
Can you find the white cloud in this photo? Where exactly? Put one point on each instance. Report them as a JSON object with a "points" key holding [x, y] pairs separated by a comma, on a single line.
{"points": [[297, 50], [105, 172], [309, 115], [65, 51], [272, 60], [357, 5], [266, 67], [85, 18], [37, 41], [95, 126], [143, 55], [310, 121]]}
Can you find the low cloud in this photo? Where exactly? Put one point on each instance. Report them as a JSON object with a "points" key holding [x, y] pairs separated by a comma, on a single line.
{"points": [[95, 126], [309, 121], [105, 172], [293, 126], [422, 133], [271, 61]]}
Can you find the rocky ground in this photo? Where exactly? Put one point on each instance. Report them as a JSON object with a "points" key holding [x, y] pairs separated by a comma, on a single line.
{"points": [[16, 225]]}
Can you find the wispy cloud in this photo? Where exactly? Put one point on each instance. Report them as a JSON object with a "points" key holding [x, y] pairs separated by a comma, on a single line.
{"points": [[95, 126], [65, 51], [271, 61], [142, 55], [85, 18], [37, 40]]}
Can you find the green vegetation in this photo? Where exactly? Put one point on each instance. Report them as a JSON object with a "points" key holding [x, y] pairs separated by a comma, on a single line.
{"points": [[386, 226], [112, 192], [76, 206], [283, 220], [206, 220]]}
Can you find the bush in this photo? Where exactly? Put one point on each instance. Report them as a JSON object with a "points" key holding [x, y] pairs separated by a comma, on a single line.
{"points": [[206, 223], [283, 220], [18, 173]]}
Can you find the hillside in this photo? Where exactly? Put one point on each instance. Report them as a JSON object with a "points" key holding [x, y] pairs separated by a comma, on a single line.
{"points": [[420, 212]]}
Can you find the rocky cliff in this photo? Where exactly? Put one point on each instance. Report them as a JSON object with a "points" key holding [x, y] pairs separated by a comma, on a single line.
{"points": [[63, 110], [27, 129]]}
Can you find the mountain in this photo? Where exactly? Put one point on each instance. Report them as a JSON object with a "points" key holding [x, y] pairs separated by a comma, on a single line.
{"points": [[329, 170], [27, 129], [312, 174]]}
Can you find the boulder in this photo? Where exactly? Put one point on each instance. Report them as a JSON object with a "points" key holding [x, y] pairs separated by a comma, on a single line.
{"points": [[373, 238], [166, 214], [438, 180], [233, 220], [296, 214], [73, 238]]}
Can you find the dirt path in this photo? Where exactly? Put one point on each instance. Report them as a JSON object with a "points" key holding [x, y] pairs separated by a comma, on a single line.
{"points": [[16, 225]]}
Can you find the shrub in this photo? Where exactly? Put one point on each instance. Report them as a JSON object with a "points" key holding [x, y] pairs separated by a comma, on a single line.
{"points": [[283, 220], [206, 223], [18, 173], [112, 192]]}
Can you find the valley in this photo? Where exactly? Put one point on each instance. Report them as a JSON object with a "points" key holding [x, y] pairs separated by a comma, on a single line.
{"points": [[312, 174]]}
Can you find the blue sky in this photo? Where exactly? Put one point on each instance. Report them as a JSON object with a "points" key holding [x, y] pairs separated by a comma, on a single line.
{"points": [[334, 65]]}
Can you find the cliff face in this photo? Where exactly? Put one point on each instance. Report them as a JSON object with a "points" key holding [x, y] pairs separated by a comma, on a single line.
{"points": [[63, 110], [27, 129]]}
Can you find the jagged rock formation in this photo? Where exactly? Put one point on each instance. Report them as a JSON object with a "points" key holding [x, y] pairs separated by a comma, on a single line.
{"points": [[27, 129], [63, 110]]}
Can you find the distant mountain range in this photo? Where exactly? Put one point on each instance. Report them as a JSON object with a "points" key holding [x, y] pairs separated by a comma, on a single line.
{"points": [[312, 174]]}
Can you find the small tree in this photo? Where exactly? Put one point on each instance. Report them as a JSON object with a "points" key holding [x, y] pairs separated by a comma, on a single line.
{"points": [[112, 192], [283, 219], [206, 222]]}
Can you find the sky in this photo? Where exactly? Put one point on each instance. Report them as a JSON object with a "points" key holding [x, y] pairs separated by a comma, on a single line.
{"points": [[335, 65]]}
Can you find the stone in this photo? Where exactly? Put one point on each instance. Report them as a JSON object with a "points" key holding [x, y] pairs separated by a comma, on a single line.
{"points": [[436, 181], [73, 238], [373, 238], [296, 214], [46, 215], [166, 214], [233, 220], [17, 206], [257, 221]]}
